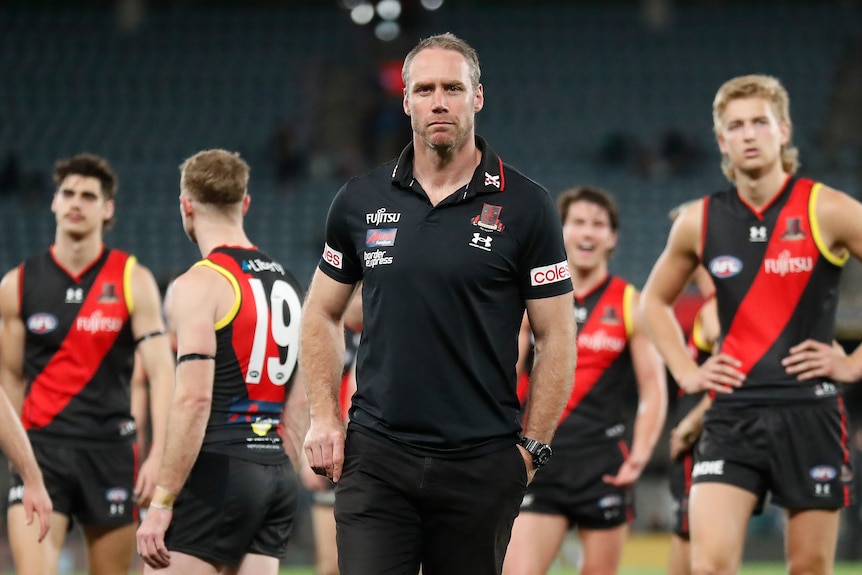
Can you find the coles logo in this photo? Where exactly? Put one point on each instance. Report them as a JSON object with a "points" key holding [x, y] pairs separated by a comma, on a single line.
{"points": [[40, 323], [823, 473], [725, 266], [549, 274], [332, 257]]}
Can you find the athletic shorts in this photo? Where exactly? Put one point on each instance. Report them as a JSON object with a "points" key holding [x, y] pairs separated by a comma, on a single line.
{"points": [[92, 484], [230, 507], [571, 485], [680, 487], [796, 452]]}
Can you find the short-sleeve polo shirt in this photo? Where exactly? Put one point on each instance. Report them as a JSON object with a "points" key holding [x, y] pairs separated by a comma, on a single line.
{"points": [[444, 291]]}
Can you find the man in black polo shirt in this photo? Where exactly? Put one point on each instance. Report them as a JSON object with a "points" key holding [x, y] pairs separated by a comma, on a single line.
{"points": [[451, 245]]}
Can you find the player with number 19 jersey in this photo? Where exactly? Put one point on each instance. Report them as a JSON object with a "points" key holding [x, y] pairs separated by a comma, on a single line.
{"points": [[254, 365]]}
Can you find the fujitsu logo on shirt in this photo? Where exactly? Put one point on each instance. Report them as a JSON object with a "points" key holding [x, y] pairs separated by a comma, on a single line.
{"points": [[601, 341], [381, 216], [97, 322], [786, 264]]}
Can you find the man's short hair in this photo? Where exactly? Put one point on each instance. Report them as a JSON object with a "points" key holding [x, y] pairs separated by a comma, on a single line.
{"points": [[90, 166], [216, 177], [593, 195], [447, 41]]}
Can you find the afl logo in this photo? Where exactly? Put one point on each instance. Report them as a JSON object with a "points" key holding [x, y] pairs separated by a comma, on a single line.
{"points": [[725, 266], [823, 473], [40, 323]]}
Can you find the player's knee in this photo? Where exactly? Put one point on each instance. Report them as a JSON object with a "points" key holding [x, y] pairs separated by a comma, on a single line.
{"points": [[809, 563], [712, 566]]}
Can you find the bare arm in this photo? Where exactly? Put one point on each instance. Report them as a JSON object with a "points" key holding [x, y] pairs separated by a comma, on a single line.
{"points": [[195, 308], [321, 359], [683, 436], [652, 404], [158, 364], [553, 323], [838, 216], [13, 438], [666, 281], [295, 422]]}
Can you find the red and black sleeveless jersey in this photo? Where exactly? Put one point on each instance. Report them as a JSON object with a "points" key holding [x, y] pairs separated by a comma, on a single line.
{"points": [[256, 355], [78, 349], [700, 350], [776, 286], [603, 374]]}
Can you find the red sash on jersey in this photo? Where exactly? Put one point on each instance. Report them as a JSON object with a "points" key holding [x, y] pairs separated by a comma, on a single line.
{"points": [[600, 342], [84, 348], [773, 296]]}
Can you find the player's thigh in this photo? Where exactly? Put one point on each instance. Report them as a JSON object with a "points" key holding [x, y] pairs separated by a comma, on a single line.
{"points": [[30, 556], [255, 564], [326, 551], [811, 537], [110, 550], [718, 515], [602, 549], [185, 564], [536, 540]]}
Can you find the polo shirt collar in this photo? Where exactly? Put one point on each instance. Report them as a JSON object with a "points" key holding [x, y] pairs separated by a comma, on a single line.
{"points": [[489, 175]]}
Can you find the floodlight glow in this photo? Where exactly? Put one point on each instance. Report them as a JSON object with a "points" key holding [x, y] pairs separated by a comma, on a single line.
{"points": [[387, 30], [389, 9], [362, 14]]}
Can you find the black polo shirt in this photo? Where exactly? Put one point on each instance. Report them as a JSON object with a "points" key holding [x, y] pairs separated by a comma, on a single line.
{"points": [[444, 290]]}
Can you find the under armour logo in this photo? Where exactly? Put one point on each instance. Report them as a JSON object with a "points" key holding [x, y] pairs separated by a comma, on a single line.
{"points": [[580, 314], [492, 180], [757, 234], [483, 243]]}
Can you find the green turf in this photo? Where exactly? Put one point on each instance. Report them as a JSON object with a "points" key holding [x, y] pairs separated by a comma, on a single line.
{"points": [[750, 569]]}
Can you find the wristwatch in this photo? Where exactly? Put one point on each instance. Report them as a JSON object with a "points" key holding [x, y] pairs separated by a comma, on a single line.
{"points": [[541, 452]]}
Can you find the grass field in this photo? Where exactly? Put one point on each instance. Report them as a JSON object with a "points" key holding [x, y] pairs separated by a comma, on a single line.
{"points": [[752, 569]]}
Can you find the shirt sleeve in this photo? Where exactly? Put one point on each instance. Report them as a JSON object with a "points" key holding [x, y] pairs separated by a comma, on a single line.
{"points": [[339, 260], [544, 267]]}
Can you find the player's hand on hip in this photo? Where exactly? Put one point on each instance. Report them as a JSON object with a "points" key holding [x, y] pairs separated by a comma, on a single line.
{"points": [[146, 483], [151, 537], [36, 500], [324, 447], [813, 359], [720, 373]]}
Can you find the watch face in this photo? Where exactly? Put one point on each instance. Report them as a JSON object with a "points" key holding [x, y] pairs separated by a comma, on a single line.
{"points": [[543, 455]]}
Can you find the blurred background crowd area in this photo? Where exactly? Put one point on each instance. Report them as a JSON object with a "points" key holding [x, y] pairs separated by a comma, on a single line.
{"points": [[616, 93]]}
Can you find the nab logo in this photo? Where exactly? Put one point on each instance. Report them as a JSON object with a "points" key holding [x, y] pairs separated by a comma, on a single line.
{"points": [[41, 323], [724, 267], [757, 234]]}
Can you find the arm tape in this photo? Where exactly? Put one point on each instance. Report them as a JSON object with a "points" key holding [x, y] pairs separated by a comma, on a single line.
{"points": [[194, 357], [150, 335]]}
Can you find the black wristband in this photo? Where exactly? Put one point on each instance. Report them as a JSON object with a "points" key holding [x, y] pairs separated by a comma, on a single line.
{"points": [[147, 336], [194, 357]]}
